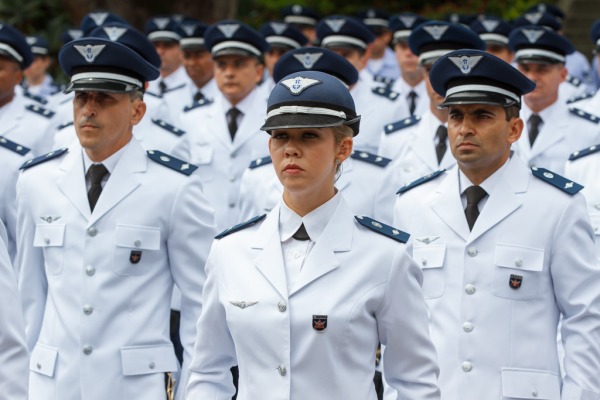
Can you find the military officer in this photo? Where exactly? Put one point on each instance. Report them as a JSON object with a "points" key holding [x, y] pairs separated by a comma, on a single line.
{"points": [[553, 130], [304, 19], [38, 81], [264, 304], [494, 32], [591, 102], [505, 250], [97, 269], [382, 62]]}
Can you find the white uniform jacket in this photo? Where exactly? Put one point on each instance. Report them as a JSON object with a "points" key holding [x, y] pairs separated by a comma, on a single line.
{"points": [[495, 293], [362, 282], [96, 287], [14, 356], [589, 103], [422, 99]]}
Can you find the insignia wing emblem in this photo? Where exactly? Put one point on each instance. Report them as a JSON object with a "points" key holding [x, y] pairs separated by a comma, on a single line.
{"points": [[534, 18], [30, 40], [278, 27], [161, 23], [243, 304], [299, 84], [188, 29], [49, 219], [75, 33], [90, 52], [99, 17], [436, 31], [114, 32], [371, 13], [408, 20], [428, 239], [229, 29], [308, 60], [490, 24], [335, 24], [466, 63], [297, 9], [532, 34]]}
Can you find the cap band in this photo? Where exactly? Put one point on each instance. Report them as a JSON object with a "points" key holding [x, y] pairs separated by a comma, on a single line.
{"points": [[299, 19], [377, 21], [283, 40], [107, 76], [494, 37], [39, 50], [537, 53], [343, 39], [235, 44], [402, 35], [305, 110], [161, 35], [13, 53], [189, 42], [433, 54], [482, 88]]}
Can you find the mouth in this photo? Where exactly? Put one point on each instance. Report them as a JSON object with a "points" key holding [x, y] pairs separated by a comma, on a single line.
{"points": [[292, 169], [466, 145]]}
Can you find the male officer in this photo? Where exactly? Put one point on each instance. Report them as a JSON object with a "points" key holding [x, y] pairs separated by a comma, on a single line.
{"points": [[223, 136], [37, 80], [105, 229], [302, 18], [552, 130], [494, 32], [591, 102], [13, 347], [505, 250], [382, 62]]}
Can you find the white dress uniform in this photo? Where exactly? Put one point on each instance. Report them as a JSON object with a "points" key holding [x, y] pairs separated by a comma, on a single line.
{"points": [[386, 67], [222, 161], [361, 173], [14, 356], [589, 103], [96, 287], [257, 314], [422, 100], [563, 132], [495, 293], [179, 99]]}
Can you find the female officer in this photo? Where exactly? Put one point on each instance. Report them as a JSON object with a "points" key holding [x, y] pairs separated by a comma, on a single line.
{"points": [[299, 299]]}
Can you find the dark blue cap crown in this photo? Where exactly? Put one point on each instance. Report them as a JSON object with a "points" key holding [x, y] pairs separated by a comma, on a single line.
{"points": [[547, 8], [492, 29], [98, 18], [39, 45], [403, 24], [374, 18], [595, 34], [162, 29], [343, 31], [129, 37], [300, 15], [234, 37], [540, 19], [281, 34], [192, 34], [538, 44], [315, 59], [70, 34], [14, 46]]}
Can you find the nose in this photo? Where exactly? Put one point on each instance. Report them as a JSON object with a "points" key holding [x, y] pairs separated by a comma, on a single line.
{"points": [[466, 127], [291, 149]]}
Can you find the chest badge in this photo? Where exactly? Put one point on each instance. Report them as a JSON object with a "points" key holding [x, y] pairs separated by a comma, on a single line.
{"points": [[319, 323], [515, 281], [135, 256]]}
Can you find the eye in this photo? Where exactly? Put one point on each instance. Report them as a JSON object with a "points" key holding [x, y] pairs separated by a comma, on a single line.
{"points": [[278, 135]]}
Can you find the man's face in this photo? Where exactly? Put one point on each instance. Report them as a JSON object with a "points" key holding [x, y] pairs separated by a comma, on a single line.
{"points": [[434, 98], [353, 56], [170, 55], [38, 67], [382, 40], [272, 56], [502, 52], [199, 66], [237, 76], [10, 76], [407, 60], [547, 78]]}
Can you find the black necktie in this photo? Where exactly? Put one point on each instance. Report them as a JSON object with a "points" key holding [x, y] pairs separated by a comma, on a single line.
{"points": [[474, 196], [232, 116], [301, 234], [412, 102], [534, 127], [440, 148], [95, 173], [162, 86], [198, 96]]}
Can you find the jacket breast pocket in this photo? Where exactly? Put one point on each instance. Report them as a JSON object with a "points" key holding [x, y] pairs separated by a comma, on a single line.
{"points": [[518, 383], [517, 271], [50, 237], [134, 249], [431, 260]]}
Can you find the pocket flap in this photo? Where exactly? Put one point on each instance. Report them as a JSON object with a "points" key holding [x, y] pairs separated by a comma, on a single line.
{"points": [[595, 218], [138, 237], [519, 257], [148, 360], [43, 360], [530, 384], [430, 256], [49, 235], [203, 154]]}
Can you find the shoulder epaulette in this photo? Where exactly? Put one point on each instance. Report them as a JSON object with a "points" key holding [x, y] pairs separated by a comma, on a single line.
{"points": [[403, 123], [556, 180], [371, 158], [44, 112], [383, 229], [386, 80], [580, 97], [171, 162], [10, 145], [420, 181], [585, 115], [386, 92], [585, 152], [573, 80], [63, 126], [261, 161], [168, 127], [44, 158], [196, 104], [34, 97], [157, 95], [175, 88], [241, 226]]}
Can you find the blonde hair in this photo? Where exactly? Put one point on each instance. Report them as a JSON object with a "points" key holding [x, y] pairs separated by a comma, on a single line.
{"points": [[341, 132]]}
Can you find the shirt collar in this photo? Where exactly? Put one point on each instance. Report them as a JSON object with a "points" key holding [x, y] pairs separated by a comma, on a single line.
{"points": [[110, 163], [488, 185], [245, 106], [314, 222]]}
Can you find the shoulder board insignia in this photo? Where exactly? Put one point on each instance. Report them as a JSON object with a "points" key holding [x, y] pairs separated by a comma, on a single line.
{"points": [[175, 88], [10, 145], [386, 92], [171, 162], [580, 97], [261, 161], [241, 226], [63, 126], [573, 80], [556, 180], [34, 97], [420, 181], [585, 115], [371, 158], [387, 81], [44, 158], [168, 127], [383, 229], [404, 123], [585, 152], [44, 112], [157, 95], [196, 104]]}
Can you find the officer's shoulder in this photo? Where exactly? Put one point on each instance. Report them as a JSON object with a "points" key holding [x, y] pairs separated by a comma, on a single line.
{"points": [[44, 112], [573, 80], [155, 95], [64, 125], [174, 163], [403, 123], [36, 98], [13, 146], [579, 98], [198, 104], [259, 162], [420, 181], [382, 228], [239, 227], [556, 180], [584, 152], [584, 115], [168, 127], [174, 89], [43, 158], [385, 80], [385, 92], [370, 158]]}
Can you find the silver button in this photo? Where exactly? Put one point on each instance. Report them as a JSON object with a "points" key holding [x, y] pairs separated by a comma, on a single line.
{"points": [[232, 179], [39, 366], [152, 365], [296, 254], [92, 231], [137, 243], [518, 262], [46, 241], [468, 327], [282, 306], [467, 366], [472, 251], [470, 289], [89, 270], [282, 370], [231, 205], [597, 206], [534, 393], [87, 309], [423, 262], [87, 350]]}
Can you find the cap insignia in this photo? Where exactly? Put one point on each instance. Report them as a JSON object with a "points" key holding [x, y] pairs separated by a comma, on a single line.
{"points": [[533, 34], [534, 18], [335, 24], [308, 60], [278, 27], [90, 52], [371, 13], [297, 9], [299, 84], [436, 31], [229, 29], [99, 17], [30, 40], [490, 24], [188, 29], [114, 32], [465, 63], [161, 23], [408, 20], [75, 33]]}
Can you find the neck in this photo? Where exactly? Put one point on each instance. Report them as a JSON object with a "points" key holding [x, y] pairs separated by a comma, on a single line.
{"points": [[35, 80], [412, 78], [477, 174], [537, 106], [303, 203]]}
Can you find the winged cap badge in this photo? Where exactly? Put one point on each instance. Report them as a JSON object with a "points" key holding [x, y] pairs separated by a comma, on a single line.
{"points": [[335, 24], [490, 24], [229, 29], [243, 304], [30, 40], [99, 17], [90, 52], [436, 31], [466, 63], [75, 33], [297, 9], [278, 27], [533, 34], [534, 18], [408, 20], [49, 219], [161, 23], [188, 29], [114, 32], [299, 84], [308, 60]]}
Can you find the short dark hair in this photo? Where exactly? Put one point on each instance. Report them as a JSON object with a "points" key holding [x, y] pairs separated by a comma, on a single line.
{"points": [[511, 112]]}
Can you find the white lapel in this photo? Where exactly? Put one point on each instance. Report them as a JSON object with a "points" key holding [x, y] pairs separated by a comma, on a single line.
{"points": [[424, 146], [72, 183], [13, 115], [252, 121], [554, 130], [447, 204]]}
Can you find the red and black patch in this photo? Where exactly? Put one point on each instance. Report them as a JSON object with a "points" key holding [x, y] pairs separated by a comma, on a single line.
{"points": [[319, 322], [515, 281], [135, 256]]}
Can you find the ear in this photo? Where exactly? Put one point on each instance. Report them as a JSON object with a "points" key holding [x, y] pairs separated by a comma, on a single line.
{"points": [[260, 67], [515, 127], [563, 73], [137, 111], [345, 149]]}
